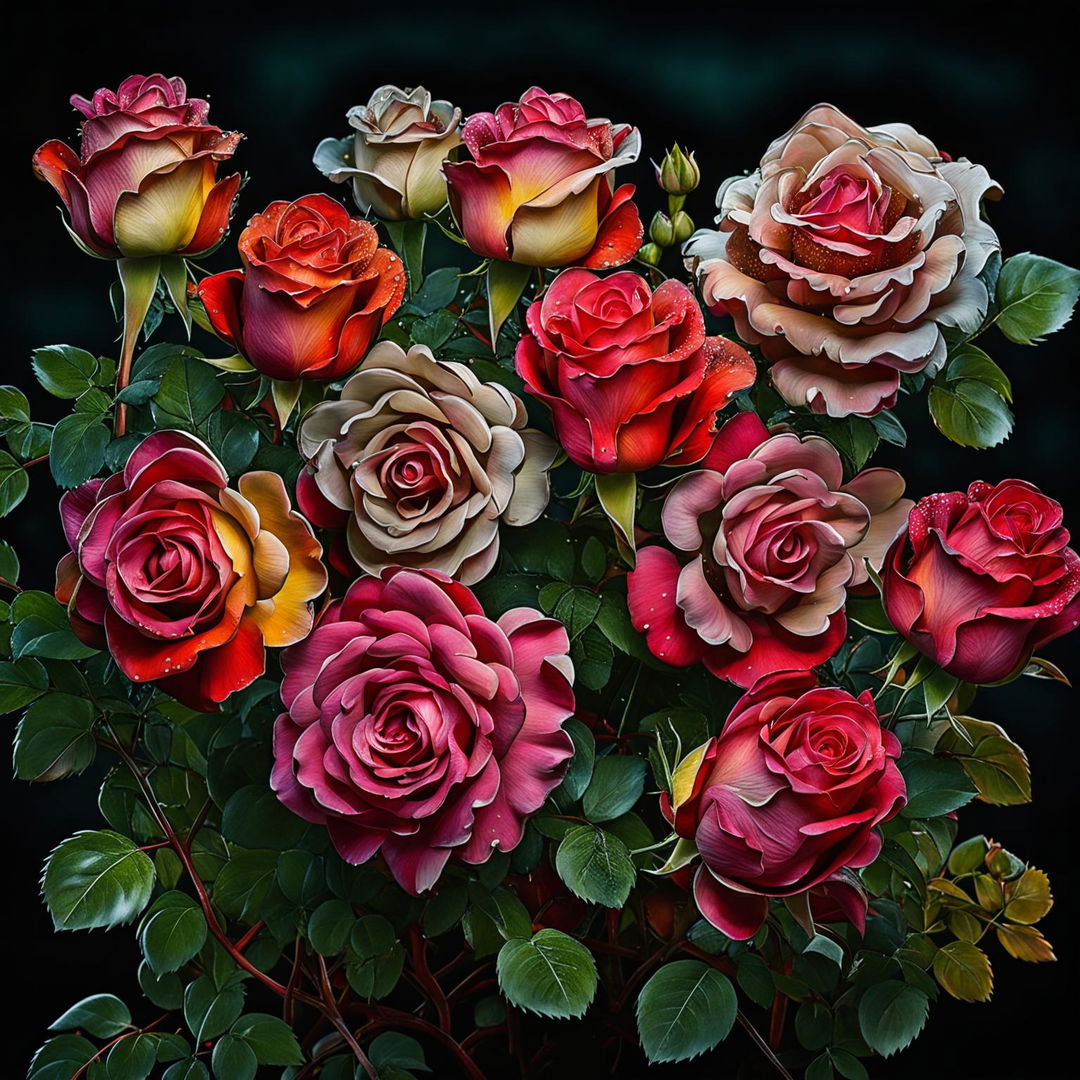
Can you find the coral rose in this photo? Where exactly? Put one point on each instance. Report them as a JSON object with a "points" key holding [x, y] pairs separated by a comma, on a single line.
{"points": [[785, 797], [419, 727], [539, 187], [845, 255], [770, 539], [423, 461], [629, 375], [981, 579], [143, 180], [184, 579], [395, 158], [314, 293]]}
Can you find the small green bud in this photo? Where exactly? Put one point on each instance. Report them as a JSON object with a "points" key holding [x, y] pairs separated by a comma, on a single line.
{"points": [[683, 226], [661, 230], [677, 173], [650, 253]]}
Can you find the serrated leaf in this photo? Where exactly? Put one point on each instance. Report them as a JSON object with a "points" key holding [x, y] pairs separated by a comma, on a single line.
{"points": [[964, 971], [550, 974], [132, 1058], [188, 394], [1028, 898], [96, 879], [55, 738], [209, 1011], [63, 370], [270, 1037], [102, 1015], [891, 1015], [580, 770], [616, 785], [935, 785], [686, 1008], [20, 683], [233, 1059], [596, 866], [173, 932], [78, 448], [970, 413], [1035, 297], [61, 1058], [970, 362], [1025, 943], [997, 766], [14, 483]]}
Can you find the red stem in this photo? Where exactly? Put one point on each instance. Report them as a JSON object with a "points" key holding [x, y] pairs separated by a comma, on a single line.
{"points": [[418, 947], [119, 1038]]}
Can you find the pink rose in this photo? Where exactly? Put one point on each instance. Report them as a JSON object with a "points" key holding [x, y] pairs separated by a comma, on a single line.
{"points": [[539, 187], [768, 540], [419, 727], [785, 797]]}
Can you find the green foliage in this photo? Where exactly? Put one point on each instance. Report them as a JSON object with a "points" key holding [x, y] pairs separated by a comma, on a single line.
{"points": [[596, 866], [549, 973], [1035, 297], [686, 1008], [891, 1015], [101, 1015], [173, 931], [616, 785]]}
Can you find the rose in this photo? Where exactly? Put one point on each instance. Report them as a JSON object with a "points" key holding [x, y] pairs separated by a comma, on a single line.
{"points": [[184, 579], [539, 187], [773, 539], [981, 579], [845, 254], [425, 461], [418, 726], [629, 375], [784, 798], [394, 160], [314, 293], [143, 180]]}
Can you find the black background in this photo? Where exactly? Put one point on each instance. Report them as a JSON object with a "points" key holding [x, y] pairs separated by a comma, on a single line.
{"points": [[723, 81]]}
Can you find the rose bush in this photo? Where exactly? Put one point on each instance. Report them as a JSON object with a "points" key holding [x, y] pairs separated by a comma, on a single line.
{"points": [[315, 290], [184, 579], [420, 728], [423, 460], [845, 255], [629, 375], [539, 189], [771, 540], [142, 182], [979, 580], [395, 157], [784, 798]]}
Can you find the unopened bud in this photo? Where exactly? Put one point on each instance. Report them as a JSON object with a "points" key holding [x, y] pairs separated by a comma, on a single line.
{"points": [[677, 173], [661, 230], [683, 226], [650, 254]]}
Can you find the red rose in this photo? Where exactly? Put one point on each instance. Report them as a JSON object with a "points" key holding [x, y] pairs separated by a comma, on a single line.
{"points": [[629, 375], [314, 293], [182, 578], [980, 580], [143, 181], [783, 798]]}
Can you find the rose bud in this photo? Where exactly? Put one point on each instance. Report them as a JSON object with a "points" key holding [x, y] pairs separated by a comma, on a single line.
{"points": [[628, 373], [650, 254], [661, 231], [314, 293], [683, 226], [142, 182], [787, 795], [677, 173], [981, 579], [538, 188], [395, 157]]}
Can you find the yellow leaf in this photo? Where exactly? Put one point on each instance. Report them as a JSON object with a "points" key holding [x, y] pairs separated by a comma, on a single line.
{"points": [[1025, 943], [964, 971], [1028, 899]]}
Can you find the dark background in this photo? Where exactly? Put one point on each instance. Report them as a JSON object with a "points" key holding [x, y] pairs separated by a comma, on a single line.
{"points": [[723, 83]]}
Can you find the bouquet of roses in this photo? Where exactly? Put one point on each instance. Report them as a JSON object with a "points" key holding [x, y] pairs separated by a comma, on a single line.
{"points": [[470, 637]]}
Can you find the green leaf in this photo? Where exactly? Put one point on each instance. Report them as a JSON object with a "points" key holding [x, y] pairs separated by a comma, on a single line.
{"points": [[233, 1059], [889, 428], [576, 609], [166, 992], [996, 765], [825, 946], [189, 1069], [593, 656], [1035, 297], [13, 405], [379, 958], [964, 971], [580, 770], [102, 1015], [438, 291], [61, 1058], [330, 925], [255, 818], [9, 562], [970, 362], [616, 785], [506, 282], [241, 886], [78, 448], [814, 1025], [868, 612], [20, 683], [55, 738], [132, 1058], [856, 438], [935, 785], [209, 1011], [445, 909], [891, 1015], [686, 1008], [14, 483], [96, 879], [596, 866], [173, 932], [970, 413], [271, 1038], [392, 1049], [503, 908], [63, 370], [433, 330], [43, 629], [234, 437], [550, 974], [188, 394], [617, 493]]}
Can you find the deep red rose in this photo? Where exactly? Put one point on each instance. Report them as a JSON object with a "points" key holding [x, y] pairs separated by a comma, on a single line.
{"points": [[314, 293], [629, 375], [143, 180], [182, 578], [785, 797], [979, 580]]}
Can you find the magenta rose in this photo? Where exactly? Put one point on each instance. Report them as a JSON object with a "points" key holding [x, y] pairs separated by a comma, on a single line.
{"points": [[767, 540], [981, 579], [419, 727], [784, 799], [629, 375]]}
